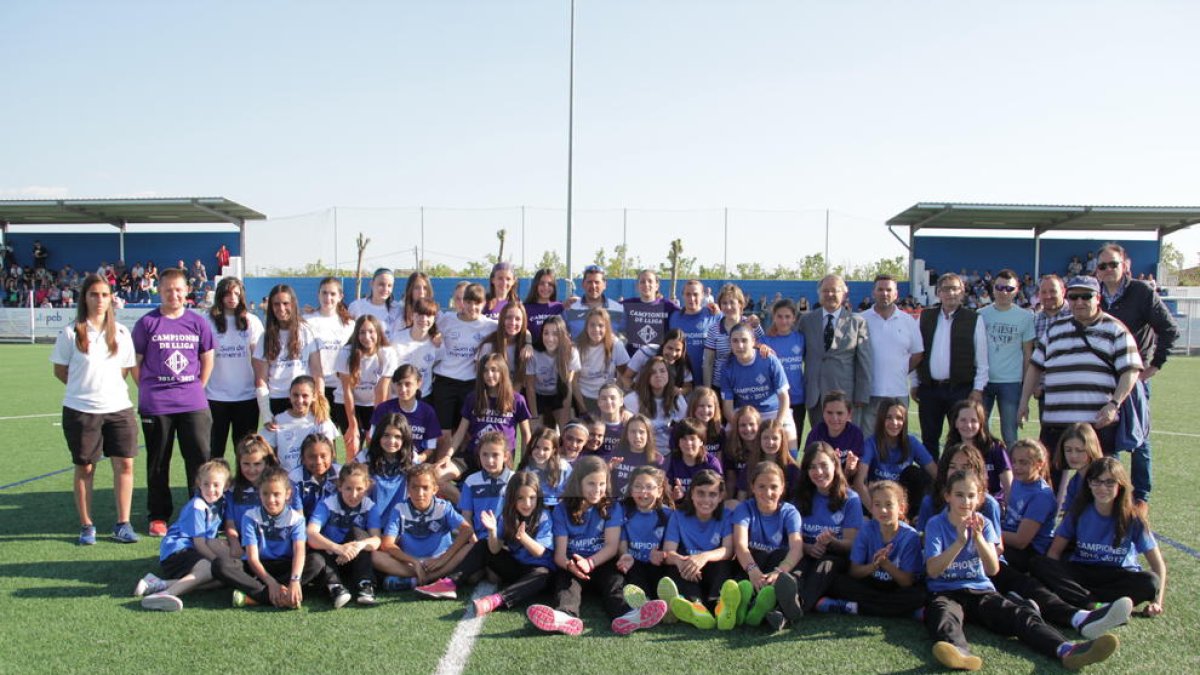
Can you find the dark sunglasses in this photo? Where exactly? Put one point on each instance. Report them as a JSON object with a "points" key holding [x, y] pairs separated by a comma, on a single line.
{"points": [[1108, 265], [1086, 297], [1005, 289]]}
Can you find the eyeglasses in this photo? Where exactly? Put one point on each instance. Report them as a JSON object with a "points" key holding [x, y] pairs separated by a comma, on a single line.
{"points": [[1108, 265], [1005, 289], [1086, 297], [1106, 483]]}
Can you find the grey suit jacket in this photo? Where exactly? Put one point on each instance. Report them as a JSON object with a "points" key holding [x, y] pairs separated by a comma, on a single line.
{"points": [[847, 364]]}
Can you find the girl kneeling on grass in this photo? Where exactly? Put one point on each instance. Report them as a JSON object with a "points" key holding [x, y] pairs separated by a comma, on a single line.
{"points": [[960, 555], [274, 538], [518, 548], [587, 535], [190, 545]]}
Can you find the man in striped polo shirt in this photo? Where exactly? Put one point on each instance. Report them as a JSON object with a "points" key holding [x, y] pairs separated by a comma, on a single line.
{"points": [[1090, 362]]}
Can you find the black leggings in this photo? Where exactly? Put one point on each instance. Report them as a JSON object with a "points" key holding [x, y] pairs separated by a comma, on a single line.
{"points": [[816, 576], [240, 416], [605, 580], [878, 598], [523, 581], [362, 415], [236, 573], [1085, 584], [708, 589], [946, 612]]}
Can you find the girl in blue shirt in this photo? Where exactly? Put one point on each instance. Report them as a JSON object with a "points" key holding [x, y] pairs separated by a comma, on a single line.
{"points": [[1078, 446], [698, 545], [423, 537], [389, 457], [892, 453], [886, 563], [960, 555], [789, 347], [190, 546], [755, 379], [832, 515], [1108, 532], [954, 458], [316, 477], [768, 543], [772, 447], [274, 538], [744, 425], [647, 509], [587, 538], [518, 546], [254, 455], [542, 458], [337, 532]]}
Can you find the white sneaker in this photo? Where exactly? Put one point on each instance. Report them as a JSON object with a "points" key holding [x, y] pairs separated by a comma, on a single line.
{"points": [[149, 585], [162, 602]]}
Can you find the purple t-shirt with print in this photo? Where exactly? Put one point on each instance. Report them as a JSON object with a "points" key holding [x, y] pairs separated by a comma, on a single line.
{"points": [[169, 379]]}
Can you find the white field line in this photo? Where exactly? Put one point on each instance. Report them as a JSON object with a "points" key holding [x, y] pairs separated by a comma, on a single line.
{"points": [[458, 651], [29, 417]]}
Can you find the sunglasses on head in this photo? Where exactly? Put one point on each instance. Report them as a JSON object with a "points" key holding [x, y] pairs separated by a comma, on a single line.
{"points": [[1108, 265], [1087, 297]]}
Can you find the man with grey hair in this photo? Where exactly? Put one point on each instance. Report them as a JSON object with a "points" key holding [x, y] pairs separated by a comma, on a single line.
{"points": [[837, 351]]}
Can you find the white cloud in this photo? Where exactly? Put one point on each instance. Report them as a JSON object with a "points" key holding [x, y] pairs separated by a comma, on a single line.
{"points": [[35, 192]]}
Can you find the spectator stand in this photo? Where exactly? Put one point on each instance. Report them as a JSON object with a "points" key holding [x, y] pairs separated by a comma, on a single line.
{"points": [[975, 249]]}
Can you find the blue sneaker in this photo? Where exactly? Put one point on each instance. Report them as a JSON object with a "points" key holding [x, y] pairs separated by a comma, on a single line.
{"points": [[393, 584], [123, 533], [87, 535]]}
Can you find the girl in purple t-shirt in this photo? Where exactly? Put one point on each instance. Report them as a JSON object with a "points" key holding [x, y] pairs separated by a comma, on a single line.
{"points": [[493, 406]]}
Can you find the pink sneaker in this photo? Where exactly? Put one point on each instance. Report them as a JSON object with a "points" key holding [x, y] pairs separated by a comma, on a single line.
{"points": [[646, 616], [488, 604], [442, 588], [553, 621]]}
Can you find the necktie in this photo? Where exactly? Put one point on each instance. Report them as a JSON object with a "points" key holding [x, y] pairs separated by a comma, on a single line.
{"points": [[828, 331]]}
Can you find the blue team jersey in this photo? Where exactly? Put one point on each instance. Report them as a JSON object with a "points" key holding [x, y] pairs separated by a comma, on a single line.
{"points": [[990, 510], [551, 494], [765, 532], [1033, 500], [1073, 486], [308, 490], [643, 531], [273, 535], [695, 328], [335, 520], [423, 534], [889, 465], [697, 536], [482, 492], [197, 519], [849, 517], [586, 538], [388, 486], [543, 534], [1093, 535], [238, 502], [757, 383], [790, 351], [905, 553], [966, 572]]}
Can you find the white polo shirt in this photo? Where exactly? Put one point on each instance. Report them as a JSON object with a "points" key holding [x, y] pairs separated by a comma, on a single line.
{"points": [[893, 341]]}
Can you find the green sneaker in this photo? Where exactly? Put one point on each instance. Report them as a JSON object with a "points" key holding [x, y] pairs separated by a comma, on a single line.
{"points": [[694, 613], [634, 597], [239, 598], [765, 602], [747, 590], [667, 591], [727, 606]]}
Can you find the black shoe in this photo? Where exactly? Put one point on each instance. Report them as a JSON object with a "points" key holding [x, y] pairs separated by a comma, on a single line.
{"points": [[775, 620], [366, 594], [787, 596]]}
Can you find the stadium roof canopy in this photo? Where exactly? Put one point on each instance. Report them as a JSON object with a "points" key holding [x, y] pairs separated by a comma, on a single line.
{"points": [[1041, 219], [122, 212]]}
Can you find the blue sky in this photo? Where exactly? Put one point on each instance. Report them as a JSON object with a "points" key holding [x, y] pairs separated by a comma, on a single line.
{"points": [[682, 108]]}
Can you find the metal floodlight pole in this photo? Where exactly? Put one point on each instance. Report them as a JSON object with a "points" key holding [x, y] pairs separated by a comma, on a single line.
{"points": [[570, 138]]}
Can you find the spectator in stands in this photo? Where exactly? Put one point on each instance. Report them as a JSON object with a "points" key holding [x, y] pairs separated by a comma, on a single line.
{"points": [[802, 305], [955, 364], [199, 273], [1135, 304], [40, 255], [1075, 267], [152, 275], [222, 259], [1089, 267]]}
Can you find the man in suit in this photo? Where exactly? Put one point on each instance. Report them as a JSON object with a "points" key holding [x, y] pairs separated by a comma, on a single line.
{"points": [[837, 351], [956, 359]]}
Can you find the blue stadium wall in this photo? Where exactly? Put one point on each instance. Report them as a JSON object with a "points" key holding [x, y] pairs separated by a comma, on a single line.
{"points": [[85, 251], [954, 254]]}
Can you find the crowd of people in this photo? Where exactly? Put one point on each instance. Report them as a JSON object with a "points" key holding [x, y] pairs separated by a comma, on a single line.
{"points": [[39, 285], [648, 453]]}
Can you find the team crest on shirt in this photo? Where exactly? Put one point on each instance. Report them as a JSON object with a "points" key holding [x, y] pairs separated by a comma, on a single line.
{"points": [[761, 378], [837, 517], [477, 336], [176, 362], [435, 526], [647, 333], [795, 349], [454, 334]]}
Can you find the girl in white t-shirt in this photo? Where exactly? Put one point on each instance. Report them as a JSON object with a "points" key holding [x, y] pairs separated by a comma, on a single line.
{"points": [[287, 350], [602, 356], [381, 304], [331, 324], [364, 369], [230, 388]]}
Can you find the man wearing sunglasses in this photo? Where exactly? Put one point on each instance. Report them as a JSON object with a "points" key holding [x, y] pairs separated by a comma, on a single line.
{"points": [[1135, 304], [1090, 363]]}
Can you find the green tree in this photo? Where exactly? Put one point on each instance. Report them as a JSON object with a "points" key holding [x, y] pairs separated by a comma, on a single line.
{"points": [[751, 270], [440, 270], [551, 260], [1172, 257], [477, 268], [812, 266], [713, 272]]}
